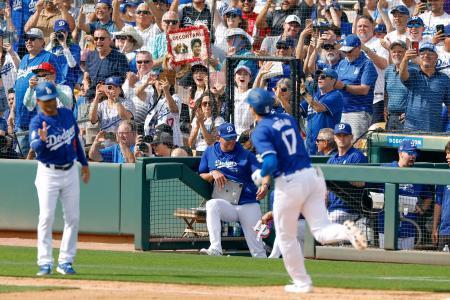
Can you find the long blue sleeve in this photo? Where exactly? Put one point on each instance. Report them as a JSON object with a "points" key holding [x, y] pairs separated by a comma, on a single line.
{"points": [[269, 165]]}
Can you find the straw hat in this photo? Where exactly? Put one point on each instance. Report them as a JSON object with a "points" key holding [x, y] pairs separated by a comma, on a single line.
{"points": [[130, 31]]}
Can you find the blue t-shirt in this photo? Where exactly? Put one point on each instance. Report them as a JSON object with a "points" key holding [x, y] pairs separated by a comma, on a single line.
{"points": [[70, 75], [359, 72], [272, 82], [406, 229], [352, 156], [397, 92], [63, 144], [25, 72], [279, 134], [21, 11], [3, 124], [318, 120], [113, 154], [237, 165], [322, 65], [425, 104], [443, 199]]}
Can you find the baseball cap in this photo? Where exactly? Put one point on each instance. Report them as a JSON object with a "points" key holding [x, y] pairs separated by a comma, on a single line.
{"points": [[46, 91], [243, 67], [289, 42], [408, 146], [401, 9], [293, 18], [35, 32], [227, 132], [398, 43], [380, 28], [329, 73], [343, 128], [415, 20], [239, 31], [107, 2], [163, 135], [350, 42], [335, 5], [232, 10], [45, 66], [114, 80], [199, 67], [61, 25], [427, 47]]}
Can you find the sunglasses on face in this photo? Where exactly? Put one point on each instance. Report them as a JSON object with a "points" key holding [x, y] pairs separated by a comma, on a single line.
{"points": [[328, 47], [414, 25], [43, 75], [99, 38], [122, 37], [322, 76], [204, 104], [284, 47], [110, 87], [231, 15], [171, 22], [248, 1], [30, 38], [283, 89], [139, 62], [144, 12], [320, 140]]}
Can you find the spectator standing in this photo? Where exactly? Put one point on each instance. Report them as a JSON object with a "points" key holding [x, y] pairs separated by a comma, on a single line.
{"points": [[325, 55], [21, 11], [325, 142], [432, 17], [441, 216], [243, 118], [416, 28], [379, 56], [291, 29], [128, 41], [108, 113], [323, 110], [401, 15], [67, 52], [148, 23], [407, 154], [338, 210], [9, 63], [356, 80], [159, 44], [162, 143], [194, 14], [107, 17], [428, 87], [443, 51], [6, 24], [34, 42], [248, 14], [380, 31], [104, 62], [396, 94], [228, 160], [47, 12]]}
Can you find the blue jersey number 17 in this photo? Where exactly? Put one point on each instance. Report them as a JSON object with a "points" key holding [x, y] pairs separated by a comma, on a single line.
{"points": [[291, 143]]}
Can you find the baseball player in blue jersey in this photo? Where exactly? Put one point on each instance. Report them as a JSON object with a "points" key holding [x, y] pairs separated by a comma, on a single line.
{"points": [[54, 138], [298, 188]]}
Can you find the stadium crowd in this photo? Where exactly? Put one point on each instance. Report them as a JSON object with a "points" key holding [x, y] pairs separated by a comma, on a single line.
{"points": [[378, 61]]}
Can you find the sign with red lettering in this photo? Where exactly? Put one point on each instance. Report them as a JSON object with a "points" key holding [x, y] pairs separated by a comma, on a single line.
{"points": [[188, 44]]}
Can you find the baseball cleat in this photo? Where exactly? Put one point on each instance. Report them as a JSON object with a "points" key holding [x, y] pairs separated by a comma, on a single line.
{"points": [[356, 237], [44, 270], [65, 269], [298, 288], [210, 252]]}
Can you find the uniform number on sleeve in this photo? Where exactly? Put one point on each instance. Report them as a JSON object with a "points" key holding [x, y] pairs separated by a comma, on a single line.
{"points": [[290, 140]]}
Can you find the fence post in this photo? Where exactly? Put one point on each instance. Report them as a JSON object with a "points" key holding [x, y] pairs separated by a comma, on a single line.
{"points": [[391, 217], [230, 85], [142, 231]]}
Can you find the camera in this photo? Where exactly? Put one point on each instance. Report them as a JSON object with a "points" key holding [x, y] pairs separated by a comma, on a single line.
{"points": [[361, 4], [143, 147], [60, 36], [321, 27]]}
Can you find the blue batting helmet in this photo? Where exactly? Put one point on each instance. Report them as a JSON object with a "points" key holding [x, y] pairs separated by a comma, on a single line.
{"points": [[261, 101]]}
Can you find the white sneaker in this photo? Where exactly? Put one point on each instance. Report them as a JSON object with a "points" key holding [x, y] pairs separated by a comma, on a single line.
{"points": [[297, 288], [210, 252], [356, 237]]}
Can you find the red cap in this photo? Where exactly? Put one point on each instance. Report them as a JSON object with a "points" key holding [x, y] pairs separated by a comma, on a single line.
{"points": [[45, 66]]}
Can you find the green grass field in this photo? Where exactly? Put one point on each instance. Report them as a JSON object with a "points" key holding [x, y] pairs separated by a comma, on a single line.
{"points": [[196, 269]]}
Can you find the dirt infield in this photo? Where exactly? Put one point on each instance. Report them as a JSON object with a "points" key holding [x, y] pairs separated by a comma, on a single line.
{"points": [[89, 289], [84, 289]]}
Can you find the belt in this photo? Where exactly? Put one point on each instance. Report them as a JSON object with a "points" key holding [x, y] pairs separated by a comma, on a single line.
{"points": [[62, 167]]}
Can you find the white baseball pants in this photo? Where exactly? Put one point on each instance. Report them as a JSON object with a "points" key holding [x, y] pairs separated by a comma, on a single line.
{"points": [[51, 185], [218, 210], [302, 192], [301, 228]]}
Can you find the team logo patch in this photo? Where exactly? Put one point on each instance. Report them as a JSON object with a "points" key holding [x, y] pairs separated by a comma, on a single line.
{"points": [[230, 129], [61, 23], [48, 90], [341, 126]]}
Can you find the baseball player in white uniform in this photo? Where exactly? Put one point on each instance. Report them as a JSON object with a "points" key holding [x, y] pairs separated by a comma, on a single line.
{"points": [[54, 138], [299, 188]]}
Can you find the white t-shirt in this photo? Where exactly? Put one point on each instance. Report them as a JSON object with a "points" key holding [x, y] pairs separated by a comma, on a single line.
{"points": [[142, 107], [161, 114], [148, 35], [395, 36], [375, 45], [200, 142], [8, 73], [108, 116], [443, 62], [431, 22], [243, 118]]}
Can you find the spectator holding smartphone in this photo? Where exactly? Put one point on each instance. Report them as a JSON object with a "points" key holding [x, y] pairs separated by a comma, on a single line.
{"points": [[114, 109], [432, 14], [443, 52]]}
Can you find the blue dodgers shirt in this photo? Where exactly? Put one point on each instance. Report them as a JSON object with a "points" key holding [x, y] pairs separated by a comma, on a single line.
{"points": [[361, 71], [317, 120], [406, 229], [62, 145], [397, 92], [443, 199], [21, 11], [352, 156], [425, 104], [25, 72], [70, 75], [237, 165], [113, 154], [279, 134]]}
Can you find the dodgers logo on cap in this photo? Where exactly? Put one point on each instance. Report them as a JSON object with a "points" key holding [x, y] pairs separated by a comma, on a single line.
{"points": [[343, 128], [227, 131]]}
